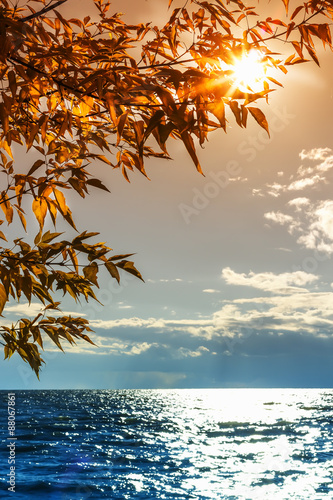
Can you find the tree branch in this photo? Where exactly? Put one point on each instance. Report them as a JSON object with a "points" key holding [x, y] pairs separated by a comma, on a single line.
{"points": [[43, 11]]}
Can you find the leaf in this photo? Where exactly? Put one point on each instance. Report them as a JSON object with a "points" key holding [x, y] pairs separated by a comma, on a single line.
{"points": [[8, 351], [260, 118], [312, 54], [6, 207], [48, 237], [218, 111], [112, 270], [296, 11], [4, 118], [87, 339], [129, 267], [189, 144], [33, 132], [36, 166], [154, 121], [39, 208], [22, 219], [286, 4], [236, 111], [120, 126], [68, 217], [111, 105], [98, 184], [123, 256], [61, 201], [90, 273], [3, 297]]}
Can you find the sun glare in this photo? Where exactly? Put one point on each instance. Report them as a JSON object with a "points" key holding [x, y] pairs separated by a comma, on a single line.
{"points": [[249, 70]]}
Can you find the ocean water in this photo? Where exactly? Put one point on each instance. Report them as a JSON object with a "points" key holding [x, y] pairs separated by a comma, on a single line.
{"points": [[170, 444]]}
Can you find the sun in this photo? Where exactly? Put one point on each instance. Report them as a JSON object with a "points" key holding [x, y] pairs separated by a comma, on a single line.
{"points": [[248, 71]]}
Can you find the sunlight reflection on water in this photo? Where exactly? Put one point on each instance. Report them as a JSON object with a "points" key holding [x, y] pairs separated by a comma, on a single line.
{"points": [[175, 444]]}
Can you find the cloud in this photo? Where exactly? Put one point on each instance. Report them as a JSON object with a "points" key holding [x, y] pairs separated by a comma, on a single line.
{"points": [[232, 328], [270, 282], [210, 290], [301, 184], [279, 217], [24, 309], [33, 309], [309, 220], [299, 203], [307, 177], [315, 154], [290, 318], [170, 281], [289, 308], [122, 305], [275, 189], [312, 223]]}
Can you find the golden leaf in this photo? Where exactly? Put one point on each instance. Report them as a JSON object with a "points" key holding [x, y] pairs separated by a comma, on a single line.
{"points": [[3, 298], [61, 201], [90, 273], [39, 207], [112, 270], [260, 118]]}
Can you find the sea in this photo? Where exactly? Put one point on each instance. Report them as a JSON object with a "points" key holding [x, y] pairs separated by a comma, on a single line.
{"points": [[168, 444]]}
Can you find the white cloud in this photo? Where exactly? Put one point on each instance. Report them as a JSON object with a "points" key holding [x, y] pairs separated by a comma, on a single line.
{"points": [[138, 323], [301, 184], [307, 177], [299, 203], [319, 234], [257, 192], [170, 281], [24, 309], [315, 154], [33, 309], [270, 282], [275, 189], [279, 217], [312, 223], [211, 290], [298, 311], [139, 349]]}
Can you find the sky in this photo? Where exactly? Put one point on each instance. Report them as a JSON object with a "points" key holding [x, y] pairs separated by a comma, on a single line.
{"points": [[237, 263]]}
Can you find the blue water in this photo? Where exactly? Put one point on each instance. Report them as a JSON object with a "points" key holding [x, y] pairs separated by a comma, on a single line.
{"points": [[170, 444]]}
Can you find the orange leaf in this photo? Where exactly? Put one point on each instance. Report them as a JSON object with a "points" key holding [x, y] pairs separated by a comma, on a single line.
{"points": [[189, 144], [260, 118], [6, 207], [39, 207], [61, 201], [286, 4], [120, 126], [3, 297]]}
